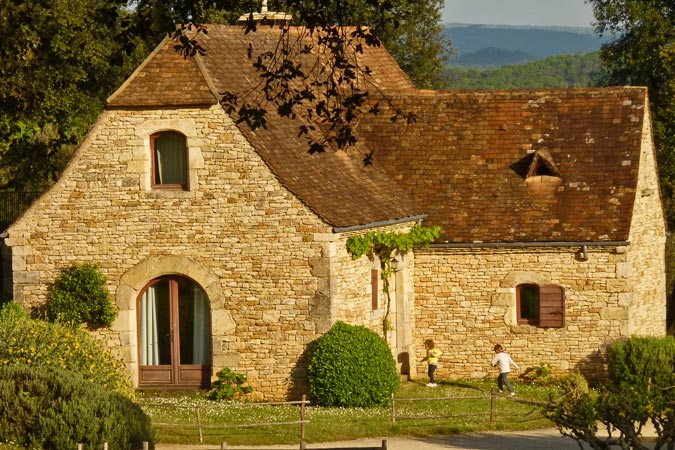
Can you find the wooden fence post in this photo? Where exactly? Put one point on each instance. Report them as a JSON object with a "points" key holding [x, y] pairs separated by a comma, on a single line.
{"points": [[80, 446], [199, 424], [146, 445], [384, 444], [302, 417], [223, 445], [492, 407], [393, 410]]}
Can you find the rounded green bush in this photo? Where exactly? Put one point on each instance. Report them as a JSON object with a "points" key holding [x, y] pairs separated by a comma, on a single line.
{"points": [[46, 407], [351, 366], [79, 295], [642, 361], [38, 343]]}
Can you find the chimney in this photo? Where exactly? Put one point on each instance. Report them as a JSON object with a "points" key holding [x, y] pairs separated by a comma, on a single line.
{"points": [[265, 17]]}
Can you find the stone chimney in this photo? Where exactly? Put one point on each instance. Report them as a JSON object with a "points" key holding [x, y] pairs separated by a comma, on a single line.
{"points": [[265, 17]]}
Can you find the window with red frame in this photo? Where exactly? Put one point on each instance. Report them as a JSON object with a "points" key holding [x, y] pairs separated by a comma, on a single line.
{"points": [[541, 306], [169, 160]]}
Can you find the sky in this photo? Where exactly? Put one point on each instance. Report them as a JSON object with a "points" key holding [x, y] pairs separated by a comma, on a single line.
{"points": [[574, 13]]}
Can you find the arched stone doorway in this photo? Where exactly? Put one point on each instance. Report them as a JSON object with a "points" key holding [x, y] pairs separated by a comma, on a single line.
{"points": [[173, 333], [135, 282]]}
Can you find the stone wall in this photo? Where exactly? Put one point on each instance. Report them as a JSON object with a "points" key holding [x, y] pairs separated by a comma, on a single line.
{"points": [[648, 236], [465, 299], [237, 232]]}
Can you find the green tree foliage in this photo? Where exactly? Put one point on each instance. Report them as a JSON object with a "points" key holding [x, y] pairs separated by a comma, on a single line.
{"points": [[46, 407], [43, 344], [59, 60], [640, 390], [643, 54], [411, 30], [561, 71], [351, 366], [80, 295]]}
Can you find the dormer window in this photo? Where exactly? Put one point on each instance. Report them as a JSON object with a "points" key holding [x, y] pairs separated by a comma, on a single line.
{"points": [[169, 160], [543, 165]]}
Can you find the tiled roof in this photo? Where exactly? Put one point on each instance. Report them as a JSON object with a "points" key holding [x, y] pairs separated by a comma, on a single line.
{"points": [[337, 187], [493, 166], [466, 161], [164, 79]]}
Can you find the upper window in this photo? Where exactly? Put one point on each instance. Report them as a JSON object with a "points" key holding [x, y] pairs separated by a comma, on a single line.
{"points": [[542, 306], [169, 160]]}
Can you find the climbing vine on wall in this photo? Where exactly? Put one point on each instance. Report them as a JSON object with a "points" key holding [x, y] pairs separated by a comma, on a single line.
{"points": [[386, 246]]}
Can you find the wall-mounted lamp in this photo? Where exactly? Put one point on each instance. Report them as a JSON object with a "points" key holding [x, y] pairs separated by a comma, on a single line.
{"points": [[583, 253]]}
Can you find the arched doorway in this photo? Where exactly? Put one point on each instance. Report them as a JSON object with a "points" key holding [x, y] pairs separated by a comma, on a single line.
{"points": [[173, 334]]}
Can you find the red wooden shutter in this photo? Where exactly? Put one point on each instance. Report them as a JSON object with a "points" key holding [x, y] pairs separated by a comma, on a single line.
{"points": [[375, 288], [551, 306]]}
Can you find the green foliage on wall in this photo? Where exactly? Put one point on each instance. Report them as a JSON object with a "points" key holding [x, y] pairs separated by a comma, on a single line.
{"points": [[386, 246], [80, 295], [351, 366]]}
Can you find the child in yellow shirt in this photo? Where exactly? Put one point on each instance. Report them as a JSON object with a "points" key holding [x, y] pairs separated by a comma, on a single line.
{"points": [[433, 354]]}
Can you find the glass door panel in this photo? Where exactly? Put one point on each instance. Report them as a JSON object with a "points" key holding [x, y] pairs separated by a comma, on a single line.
{"points": [[156, 325], [174, 334], [193, 311]]}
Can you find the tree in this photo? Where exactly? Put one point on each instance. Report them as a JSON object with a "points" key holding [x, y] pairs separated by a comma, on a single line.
{"points": [[59, 60], [410, 29]]}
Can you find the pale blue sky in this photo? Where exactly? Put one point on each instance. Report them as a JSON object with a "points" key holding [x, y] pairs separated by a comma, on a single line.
{"points": [[575, 13]]}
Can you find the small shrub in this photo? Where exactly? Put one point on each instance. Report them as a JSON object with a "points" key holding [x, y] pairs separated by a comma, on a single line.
{"points": [[351, 366], [79, 295], [45, 407], [539, 374], [228, 386], [571, 384], [38, 343]]}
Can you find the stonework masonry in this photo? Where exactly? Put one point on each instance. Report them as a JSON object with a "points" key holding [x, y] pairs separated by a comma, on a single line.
{"points": [[465, 298], [267, 263]]}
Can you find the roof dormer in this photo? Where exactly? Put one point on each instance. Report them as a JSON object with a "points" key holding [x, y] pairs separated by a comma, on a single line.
{"points": [[542, 166]]}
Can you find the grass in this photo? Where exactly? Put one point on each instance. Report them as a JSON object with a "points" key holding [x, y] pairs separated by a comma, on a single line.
{"points": [[425, 414]]}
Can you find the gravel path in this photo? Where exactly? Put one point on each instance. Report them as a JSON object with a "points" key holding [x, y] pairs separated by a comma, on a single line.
{"points": [[547, 439]]}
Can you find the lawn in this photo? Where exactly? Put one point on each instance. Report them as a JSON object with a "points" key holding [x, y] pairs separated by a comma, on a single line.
{"points": [[452, 407]]}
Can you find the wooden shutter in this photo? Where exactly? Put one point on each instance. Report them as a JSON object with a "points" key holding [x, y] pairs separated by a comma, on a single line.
{"points": [[551, 306], [375, 288]]}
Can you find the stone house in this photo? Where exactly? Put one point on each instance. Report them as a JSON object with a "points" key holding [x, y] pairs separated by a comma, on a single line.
{"points": [[226, 247]]}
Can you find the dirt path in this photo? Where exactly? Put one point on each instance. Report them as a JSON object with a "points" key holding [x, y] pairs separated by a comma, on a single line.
{"points": [[547, 439]]}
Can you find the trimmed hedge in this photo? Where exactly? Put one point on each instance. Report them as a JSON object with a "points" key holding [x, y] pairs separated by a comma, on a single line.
{"points": [[351, 366], [46, 407]]}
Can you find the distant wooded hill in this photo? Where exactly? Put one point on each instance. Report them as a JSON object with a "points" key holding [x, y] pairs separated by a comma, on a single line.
{"points": [[559, 71], [497, 45]]}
